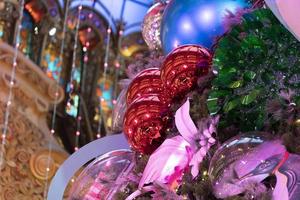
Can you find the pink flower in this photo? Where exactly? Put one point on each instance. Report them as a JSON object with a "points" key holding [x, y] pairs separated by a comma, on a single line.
{"points": [[168, 163], [175, 155]]}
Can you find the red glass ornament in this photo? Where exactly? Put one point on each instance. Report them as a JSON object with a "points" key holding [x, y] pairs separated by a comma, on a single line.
{"points": [[146, 83], [182, 68], [145, 122]]}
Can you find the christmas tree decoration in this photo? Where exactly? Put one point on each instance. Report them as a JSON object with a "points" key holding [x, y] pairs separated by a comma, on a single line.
{"points": [[169, 162], [158, 190], [283, 118], [147, 82], [233, 152], [119, 111], [151, 25], [182, 68], [211, 111], [152, 60], [251, 158], [197, 22], [287, 11], [145, 122], [102, 178], [78, 160], [142, 63], [255, 61]]}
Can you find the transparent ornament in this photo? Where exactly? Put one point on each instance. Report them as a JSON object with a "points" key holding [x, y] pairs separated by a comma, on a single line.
{"points": [[120, 107], [105, 176], [224, 169], [233, 150]]}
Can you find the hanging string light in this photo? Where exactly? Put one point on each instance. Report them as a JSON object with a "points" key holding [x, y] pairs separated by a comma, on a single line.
{"points": [[79, 117], [104, 79], [118, 67], [106, 58], [73, 70], [56, 94], [12, 82]]}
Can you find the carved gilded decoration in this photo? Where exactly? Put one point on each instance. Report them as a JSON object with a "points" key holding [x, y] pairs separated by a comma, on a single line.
{"points": [[24, 170]]}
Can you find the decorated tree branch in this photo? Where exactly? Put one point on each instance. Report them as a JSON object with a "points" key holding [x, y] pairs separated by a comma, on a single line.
{"points": [[218, 117]]}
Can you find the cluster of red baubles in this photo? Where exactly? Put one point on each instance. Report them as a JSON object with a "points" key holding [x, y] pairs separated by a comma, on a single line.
{"points": [[152, 91]]}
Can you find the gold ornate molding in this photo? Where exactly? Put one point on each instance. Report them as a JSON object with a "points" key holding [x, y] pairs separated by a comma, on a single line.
{"points": [[29, 73], [33, 91], [23, 174]]}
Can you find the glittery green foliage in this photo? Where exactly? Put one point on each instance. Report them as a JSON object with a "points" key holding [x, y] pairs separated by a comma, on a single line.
{"points": [[256, 60]]}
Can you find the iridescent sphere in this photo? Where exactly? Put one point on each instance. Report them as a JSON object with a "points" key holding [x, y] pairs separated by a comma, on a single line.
{"points": [[101, 178], [146, 82], [145, 122], [196, 21], [183, 67], [151, 25], [225, 166]]}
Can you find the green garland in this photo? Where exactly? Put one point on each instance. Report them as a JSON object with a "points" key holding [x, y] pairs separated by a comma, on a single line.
{"points": [[255, 61]]}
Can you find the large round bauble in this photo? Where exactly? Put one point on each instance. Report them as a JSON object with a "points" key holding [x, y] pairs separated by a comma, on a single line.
{"points": [[146, 82], [151, 25], [105, 176], [182, 68], [145, 122], [196, 21], [227, 159]]}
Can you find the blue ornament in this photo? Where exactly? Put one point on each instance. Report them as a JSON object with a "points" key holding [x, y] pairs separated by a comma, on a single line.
{"points": [[196, 21]]}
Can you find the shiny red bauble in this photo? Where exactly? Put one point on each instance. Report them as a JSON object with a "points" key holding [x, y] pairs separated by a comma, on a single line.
{"points": [[145, 122], [182, 68], [147, 82]]}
